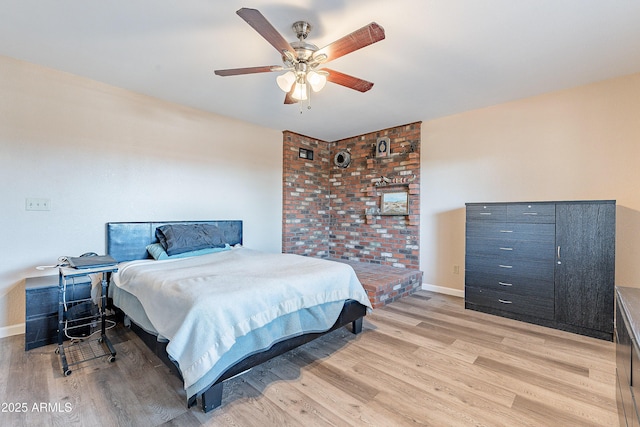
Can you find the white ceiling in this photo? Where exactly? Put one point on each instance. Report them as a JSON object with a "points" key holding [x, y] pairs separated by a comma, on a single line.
{"points": [[440, 57]]}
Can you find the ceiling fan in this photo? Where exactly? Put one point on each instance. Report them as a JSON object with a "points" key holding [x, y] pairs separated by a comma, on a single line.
{"points": [[302, 60]]}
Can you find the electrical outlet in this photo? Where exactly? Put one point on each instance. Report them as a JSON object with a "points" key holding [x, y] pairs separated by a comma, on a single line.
{"points": [[38, 204], [456, 269]]}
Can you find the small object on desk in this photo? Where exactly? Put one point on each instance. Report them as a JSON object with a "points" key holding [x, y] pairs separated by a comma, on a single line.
{"points": [[92, 261]]}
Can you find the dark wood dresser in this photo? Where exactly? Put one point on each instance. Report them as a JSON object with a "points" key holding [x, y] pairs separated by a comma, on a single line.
{"points": [[548, 263], [627, 355], [41, 316]]}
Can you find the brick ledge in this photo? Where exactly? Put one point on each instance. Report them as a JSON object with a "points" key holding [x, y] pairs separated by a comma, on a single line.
{"points": [[385, 284]]}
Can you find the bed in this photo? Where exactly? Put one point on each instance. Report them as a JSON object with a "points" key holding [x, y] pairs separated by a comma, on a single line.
{"points": [[213, 316]]}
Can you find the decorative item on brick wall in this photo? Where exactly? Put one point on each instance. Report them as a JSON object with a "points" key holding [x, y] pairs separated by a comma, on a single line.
{"points": [[342, 159], [305, 153], [396, 203], [383, 147], [383, 180], [410, 148]]}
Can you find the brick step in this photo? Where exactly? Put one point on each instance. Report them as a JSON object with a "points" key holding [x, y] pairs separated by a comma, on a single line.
{"points": [[385, 284]]}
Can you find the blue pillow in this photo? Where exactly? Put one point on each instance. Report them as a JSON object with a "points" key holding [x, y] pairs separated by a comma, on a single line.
{"points": [[157, 252]]}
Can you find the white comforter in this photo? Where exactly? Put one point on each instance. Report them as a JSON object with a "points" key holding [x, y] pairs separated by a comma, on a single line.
{"points": [[204, 304]]}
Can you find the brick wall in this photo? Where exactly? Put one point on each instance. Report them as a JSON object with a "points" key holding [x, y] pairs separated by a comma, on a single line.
{"points": [[305, 194], [330, 211]]}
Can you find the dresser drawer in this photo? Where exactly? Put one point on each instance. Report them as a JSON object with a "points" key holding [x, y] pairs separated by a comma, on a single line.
{"points": [[512, 231], [511, 269], [506, 251], [41, 331], [532, 213], [41, 301], [490, 212], [478, 230], [511, 285], [518, 304]]}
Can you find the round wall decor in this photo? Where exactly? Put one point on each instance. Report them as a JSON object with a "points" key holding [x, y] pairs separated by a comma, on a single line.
{"points": [[342, 159]]}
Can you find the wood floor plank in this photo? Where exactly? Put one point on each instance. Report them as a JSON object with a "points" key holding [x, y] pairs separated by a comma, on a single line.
{"points": [[544, 412], [351, 409], [425, 339], [360, 390], [546, 392], [550, 382], [422, 360], [307, 411], [441, 369], [571, 372], [426, 399]]}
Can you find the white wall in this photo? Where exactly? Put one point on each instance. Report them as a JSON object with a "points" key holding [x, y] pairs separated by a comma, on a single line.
{"points": [[100, 154], [577, 144]]}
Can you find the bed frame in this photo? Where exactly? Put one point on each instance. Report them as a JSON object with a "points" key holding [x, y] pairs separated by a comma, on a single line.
{"points": [[127, 241]]}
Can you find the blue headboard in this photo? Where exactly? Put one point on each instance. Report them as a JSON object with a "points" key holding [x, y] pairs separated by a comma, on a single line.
{"points": [[127, 241]]}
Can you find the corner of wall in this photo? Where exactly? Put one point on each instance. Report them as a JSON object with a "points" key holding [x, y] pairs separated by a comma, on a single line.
{"points": [[334, 210]]}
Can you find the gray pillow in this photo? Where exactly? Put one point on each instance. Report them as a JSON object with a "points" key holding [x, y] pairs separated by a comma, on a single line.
{"points": [[179, 238]]}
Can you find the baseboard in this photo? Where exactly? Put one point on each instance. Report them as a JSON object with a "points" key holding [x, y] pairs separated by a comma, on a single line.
{"points": [[8, 331], [443, 290]]}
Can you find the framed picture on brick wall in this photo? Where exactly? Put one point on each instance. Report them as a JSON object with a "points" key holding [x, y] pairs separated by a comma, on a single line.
{"points": [[383, 147], [396, 203]]}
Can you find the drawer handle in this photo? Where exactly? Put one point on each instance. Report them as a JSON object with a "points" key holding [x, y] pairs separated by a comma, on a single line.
{"points": [[505, 266], [485, 213], [504, 301], [506, 231], [529, 213], [505, 284], [506, 249]]}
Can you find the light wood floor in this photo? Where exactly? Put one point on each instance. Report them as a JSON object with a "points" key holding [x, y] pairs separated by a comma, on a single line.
{"points": [[423, 360]]}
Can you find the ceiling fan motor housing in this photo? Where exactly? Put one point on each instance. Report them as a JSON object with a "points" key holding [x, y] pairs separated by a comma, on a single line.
{"points": [[304, 50], [302, 29]]}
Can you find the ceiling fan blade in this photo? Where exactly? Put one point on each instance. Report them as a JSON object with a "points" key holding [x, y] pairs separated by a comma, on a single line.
{"points": [[363, 37], [259, 23], [288, 99], [249, 70], [348, 81]]}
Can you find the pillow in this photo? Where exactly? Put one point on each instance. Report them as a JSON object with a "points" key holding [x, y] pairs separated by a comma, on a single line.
{"points": [[179, 238], [157, 252]]}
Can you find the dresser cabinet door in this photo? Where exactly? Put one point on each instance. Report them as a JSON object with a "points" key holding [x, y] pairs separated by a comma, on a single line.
{"points": [[585, 259]]}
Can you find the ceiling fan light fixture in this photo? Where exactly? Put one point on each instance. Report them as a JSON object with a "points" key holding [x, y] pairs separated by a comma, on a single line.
{"points": [[285, 81], [316, 80], [299, 92]]}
